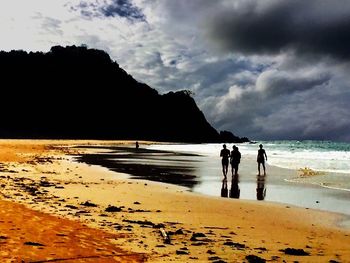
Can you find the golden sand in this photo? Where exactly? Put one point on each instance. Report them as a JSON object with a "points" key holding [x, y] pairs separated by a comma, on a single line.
{"points": [[82, 213]]}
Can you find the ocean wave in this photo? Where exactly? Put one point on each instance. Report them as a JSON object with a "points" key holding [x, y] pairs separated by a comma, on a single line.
{"points": [[323, 156]]}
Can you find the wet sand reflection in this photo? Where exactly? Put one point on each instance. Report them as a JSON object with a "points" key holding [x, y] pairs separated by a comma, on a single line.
{"points": [[234, 190], [224, 190], [260, 187]]}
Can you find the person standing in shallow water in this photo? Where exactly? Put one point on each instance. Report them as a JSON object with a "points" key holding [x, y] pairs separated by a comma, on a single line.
{"points": [[225, 154], [235, 160], [261, 158]]}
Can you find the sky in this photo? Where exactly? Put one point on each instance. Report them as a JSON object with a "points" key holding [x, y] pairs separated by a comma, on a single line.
{"points": [[264, 69]]}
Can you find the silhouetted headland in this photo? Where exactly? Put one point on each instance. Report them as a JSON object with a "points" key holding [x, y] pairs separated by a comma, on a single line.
{"points": [[80, 93]]}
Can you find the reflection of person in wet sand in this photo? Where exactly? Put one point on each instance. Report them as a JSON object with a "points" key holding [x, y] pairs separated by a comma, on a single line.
{"points": [[260, 188], [235, 191], [224, 190], [225, 154], [261, 158], [235, 160]]}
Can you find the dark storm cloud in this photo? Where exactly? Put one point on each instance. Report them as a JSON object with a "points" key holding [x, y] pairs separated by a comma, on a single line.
{"points": [[279, 105], [123, 8], [283, 73], [311, 27], [114, 8], [274, 83], [317, 114], [215, 76]]}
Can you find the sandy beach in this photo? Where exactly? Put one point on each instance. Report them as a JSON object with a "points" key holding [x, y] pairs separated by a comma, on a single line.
{"points": [[53, 209]]}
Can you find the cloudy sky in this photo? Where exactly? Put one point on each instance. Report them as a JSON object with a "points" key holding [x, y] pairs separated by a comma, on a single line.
{"points": [[265, 69]]}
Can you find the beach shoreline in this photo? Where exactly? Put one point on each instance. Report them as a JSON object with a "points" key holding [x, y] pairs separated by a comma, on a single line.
{"points": [[201, 173], [200, 227]]}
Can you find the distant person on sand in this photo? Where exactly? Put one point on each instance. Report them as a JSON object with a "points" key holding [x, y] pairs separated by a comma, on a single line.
{"points": [[137, 145], [235, 160], [261, 158], [225, 154]]}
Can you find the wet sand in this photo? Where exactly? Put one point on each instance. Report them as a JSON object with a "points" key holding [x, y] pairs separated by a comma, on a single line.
{"points": [[202, 174], [128, 216]]}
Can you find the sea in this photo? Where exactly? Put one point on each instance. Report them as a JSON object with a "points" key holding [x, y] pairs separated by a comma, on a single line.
{"points": [[325, 156], [309, 174]]}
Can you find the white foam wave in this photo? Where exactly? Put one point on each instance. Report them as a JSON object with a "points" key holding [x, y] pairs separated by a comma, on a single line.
{"points": [[284, 156]]}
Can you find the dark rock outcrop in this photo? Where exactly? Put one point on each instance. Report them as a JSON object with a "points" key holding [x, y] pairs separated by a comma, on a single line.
{"points": [[229, 137], [80, 93]]}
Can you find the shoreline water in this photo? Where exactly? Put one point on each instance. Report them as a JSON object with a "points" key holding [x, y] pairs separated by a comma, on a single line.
{"points": [[293, 155]]}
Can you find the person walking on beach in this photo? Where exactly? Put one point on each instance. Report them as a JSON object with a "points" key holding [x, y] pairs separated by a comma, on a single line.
{"points": [[261, 158], [225, 154], [235, 160]]}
